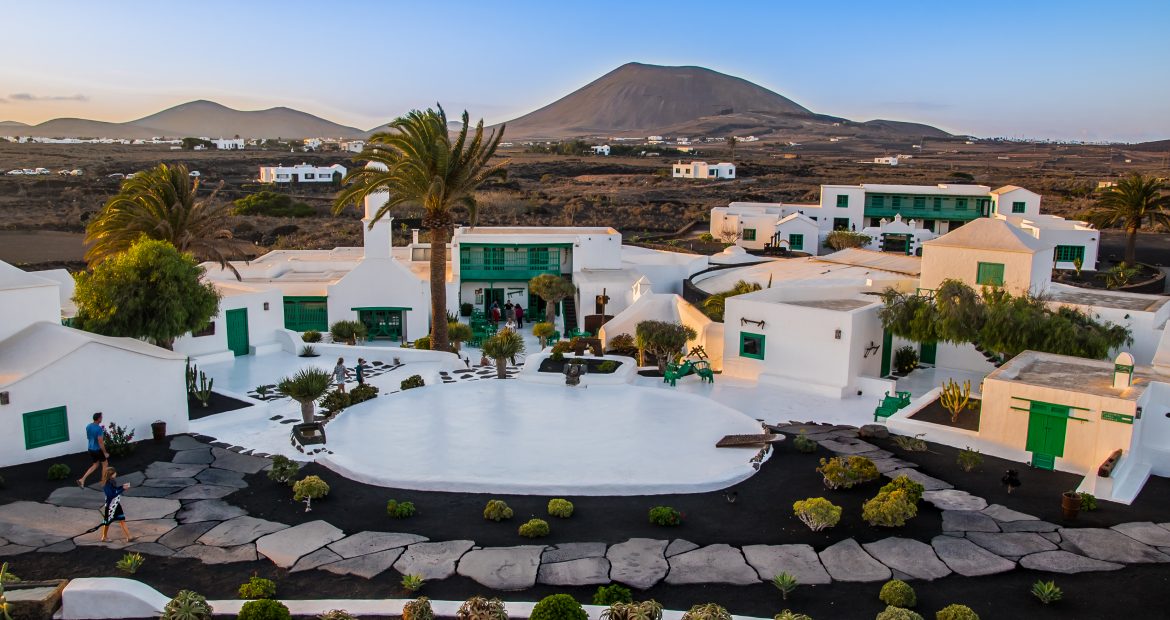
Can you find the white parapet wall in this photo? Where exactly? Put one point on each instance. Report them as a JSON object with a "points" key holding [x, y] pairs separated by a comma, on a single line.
{"points": [[626, 371]]}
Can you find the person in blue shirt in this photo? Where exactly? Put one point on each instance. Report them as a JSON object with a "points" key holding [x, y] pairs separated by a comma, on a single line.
{"points": [[96, 436], [112, 510]]}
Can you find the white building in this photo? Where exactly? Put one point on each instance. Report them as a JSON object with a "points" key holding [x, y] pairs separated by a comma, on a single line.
{"points": [[353, 146], [302, 173], [602, 149], [312, 144], [886, 161], [228, 144], [703, 170]]}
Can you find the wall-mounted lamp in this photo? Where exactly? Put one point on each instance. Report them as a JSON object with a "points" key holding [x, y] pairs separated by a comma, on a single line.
{"points": [[759, 323], [837, 334], [871, 349], [266, 306]]}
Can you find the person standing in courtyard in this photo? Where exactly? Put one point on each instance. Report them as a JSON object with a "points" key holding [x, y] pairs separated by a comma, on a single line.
{"points": [[339, 375], [112, 509], [495, 315], [519, 315], [360, 371], [95, 435]]}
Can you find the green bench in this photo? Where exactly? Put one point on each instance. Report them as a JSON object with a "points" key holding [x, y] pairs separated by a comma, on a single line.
{"points": [[674, 372], [890, 405]]}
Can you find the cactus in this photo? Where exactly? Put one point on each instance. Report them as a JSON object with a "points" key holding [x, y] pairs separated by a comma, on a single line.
{"points": [[191, 370], [3, 600], [955, 399], [203, 391]]}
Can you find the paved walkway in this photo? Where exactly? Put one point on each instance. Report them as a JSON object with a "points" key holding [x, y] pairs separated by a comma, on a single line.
{"points": [[179, 510]]}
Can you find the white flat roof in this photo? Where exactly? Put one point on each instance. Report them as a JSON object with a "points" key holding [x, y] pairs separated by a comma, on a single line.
{"points": [[799, 271], [41, 344], [535, 230], [885, 261], [14, 278], [1072, 374]]}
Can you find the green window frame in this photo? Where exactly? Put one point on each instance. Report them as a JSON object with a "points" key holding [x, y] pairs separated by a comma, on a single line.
{"points": [[960, 204], [45, 427], [749, 234], [840, 223], [1069, 253], [842, 200], [989, 274], [895, 201], [878, 201], [751, 345], [1019, 206], [795, 241], [938, 204], [920, 202]]}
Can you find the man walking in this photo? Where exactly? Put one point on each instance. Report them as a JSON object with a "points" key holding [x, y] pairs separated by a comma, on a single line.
{"points": [[96, 436]]}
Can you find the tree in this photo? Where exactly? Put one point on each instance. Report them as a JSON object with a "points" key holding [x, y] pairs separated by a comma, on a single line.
{"points": [[729, 233], [665, 340], [417, 163], [503, 346], [552, 289], [161, 204], [458, 333], [543, 331], [715, 305], [150, 291], [306, 387], [731, 142], [1136, 201]]}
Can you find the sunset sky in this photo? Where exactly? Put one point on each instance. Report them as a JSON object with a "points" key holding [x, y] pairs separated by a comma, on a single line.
{"points": [[1061, 69]]}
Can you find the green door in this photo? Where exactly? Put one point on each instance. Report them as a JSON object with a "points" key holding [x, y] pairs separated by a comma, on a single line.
{"points": [[493, 295], [382, 323], [927, 351], [302, 314], [887, 344], [237, 331], [1047, 424]]}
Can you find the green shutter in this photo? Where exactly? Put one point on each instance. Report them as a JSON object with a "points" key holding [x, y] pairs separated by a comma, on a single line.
{"points": [[751, 345], [920, 202], [1019, 207], [302, 314], [795, 241], [989, 274], [749, 234], [842, 200], [1069, 253], [45, 427]]}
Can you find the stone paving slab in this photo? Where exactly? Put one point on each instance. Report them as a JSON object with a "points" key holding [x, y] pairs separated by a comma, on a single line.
{"points": [[173, 484], [911, 557], [367, 566], [848, 446], [162, 469], [929, 483], [887, 465], [64, 546], [432, 560], [33, 524], [242, 463], [186, 442], [219, 555], [197, 456], [364, 543], [678, 546], [203, 491], [711, 564], [1065, 562], [143, 508], [968, 559], [315, 559], [76, 497], [954, 499], [1012, 544], [209, 510], [141, 531], [800, 561], [1145, 532], [1003, 513], [967, 521], [638, 562], [847, 561], [1028, 525], [579, 572], [502, 568], [155, 491], [151, 548], [11, 549], [239, 531], [287, 546], [186, 534], [1109, 546], [223, 477], [568, 552]]}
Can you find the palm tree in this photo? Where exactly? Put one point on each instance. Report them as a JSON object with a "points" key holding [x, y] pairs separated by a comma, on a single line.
{"points": [[715, 305], [731, 142], [418, 163], [1134, 202], [504, 346], [551, 288], [161, 204], [305, 387]]}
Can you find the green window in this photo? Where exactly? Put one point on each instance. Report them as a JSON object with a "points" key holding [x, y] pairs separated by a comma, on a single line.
{"points": [[990, 274], [920, 202], [45, 427], [960, 204], [842, 200], [878, 201], [751, 345], [896, 201], [795, 241], [749, 234], [938, 204], [306, 313], [840, 223], [1070, 253], [1019, 206]]}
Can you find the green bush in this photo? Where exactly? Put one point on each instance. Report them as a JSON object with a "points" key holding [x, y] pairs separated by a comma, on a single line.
{"points": [[284, 470], [665, 516], [258, 588], [898, 593], [418, 609], [791, 615], [399, 510], [905, 359], [956, 612], [480, 608], [362, 393], [1047, 591], [846, 472], [897, 613], [412, 582], [913, 489], [817, 513], [1088, 501], [271, 204], [557, 356], [613, 593], [310, 487], [497, 510], [969, 459], [423, 343], [348, 332], [562, 508], [411, 382], [308, 351], [558, 607], [264, 609], [646, 610], [785, 583], [623, 344], [311, 336], [709, 611], [607, 367], [187, 605], [889, 509], [803, 444], [130, 563], [535, 528], [707, 237], [335, 401], [59, 471], [563, 346]]}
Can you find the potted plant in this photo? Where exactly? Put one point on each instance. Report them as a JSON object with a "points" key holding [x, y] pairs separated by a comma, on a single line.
{"points": [[158, 430], [1070, 504], [305, 387]]}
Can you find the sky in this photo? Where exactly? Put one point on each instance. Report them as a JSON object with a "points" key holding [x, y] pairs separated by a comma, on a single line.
{"points": [[1062, 69]]}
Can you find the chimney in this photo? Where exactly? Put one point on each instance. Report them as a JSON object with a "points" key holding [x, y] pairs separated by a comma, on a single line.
{"points": [[1123, 371]]}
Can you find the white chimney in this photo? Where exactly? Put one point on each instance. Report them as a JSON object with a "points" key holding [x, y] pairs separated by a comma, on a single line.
{"points": [[378, 238]]}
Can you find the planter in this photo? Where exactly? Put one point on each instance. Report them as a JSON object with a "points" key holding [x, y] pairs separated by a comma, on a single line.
{"points": [[1070, 504], [158, 430], [309, 434], [34, 600]]}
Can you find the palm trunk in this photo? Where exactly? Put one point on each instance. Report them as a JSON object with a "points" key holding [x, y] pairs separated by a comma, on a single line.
{"points": [[307, 411], [439, 238], [1131, 245], [501, 370]]}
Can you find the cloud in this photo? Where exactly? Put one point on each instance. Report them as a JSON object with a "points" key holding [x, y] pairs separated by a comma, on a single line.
{"points": [[32, 97]]}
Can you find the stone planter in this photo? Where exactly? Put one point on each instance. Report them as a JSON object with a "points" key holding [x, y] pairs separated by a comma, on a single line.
{"points": [[312, 433], [34, 600]]}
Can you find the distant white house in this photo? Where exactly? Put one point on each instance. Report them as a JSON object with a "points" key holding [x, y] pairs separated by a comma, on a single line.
{"points": [[228, 144], [602, 149], [302, 173], [886, 161], [654, 139], [312, 144], [703, 170], [353, 146]]}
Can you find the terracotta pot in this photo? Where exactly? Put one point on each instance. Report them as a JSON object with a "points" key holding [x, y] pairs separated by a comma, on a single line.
{"points": [[158, 430], [1070, 504]]}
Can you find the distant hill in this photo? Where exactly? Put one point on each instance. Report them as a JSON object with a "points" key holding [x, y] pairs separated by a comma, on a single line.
{"points": [[1157, 145]]}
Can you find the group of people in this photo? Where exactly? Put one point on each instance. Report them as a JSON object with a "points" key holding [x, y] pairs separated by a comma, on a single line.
{"points": [[340, 373], [512, 314], [111, 510]]}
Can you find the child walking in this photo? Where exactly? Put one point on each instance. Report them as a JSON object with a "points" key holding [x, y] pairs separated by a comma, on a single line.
{"points": [[112, 510]]}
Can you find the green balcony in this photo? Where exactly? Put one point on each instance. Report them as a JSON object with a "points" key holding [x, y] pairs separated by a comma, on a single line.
{"points": [[508, 262], [926, 207]]}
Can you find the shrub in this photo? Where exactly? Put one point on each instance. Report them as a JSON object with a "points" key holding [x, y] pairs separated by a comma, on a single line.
{"points": [[1047, 592], [889, 509], [563, 346], [411, 382], [465, 309], [969, 459], [480, 608], [607, 367], [542, 331], [803, 444], [1088, 501], [130, 563], [348, 332], [842, 239], [311, 336], [258, 588], [817, 513], [905, 359], [310, 487], [613, 593], [558, 607], [665, 516], [271, 204], [897, 613], [623, 344], [785, 583], [423, 343], [335, 401], [264, 609], [562, 508], [59, 471], [284, 470], [418, 609], [399, 510], [955, 611], [845, 472], [535, 528], [7, 577], [187, 605], [308, 351], [646, 610], [362, 393], [791, 615], [412, 583], [337, 614], [710, 611], [898, 593], [497, 510], [910, 444], [119, 440], [557, 356], [913, 490]]}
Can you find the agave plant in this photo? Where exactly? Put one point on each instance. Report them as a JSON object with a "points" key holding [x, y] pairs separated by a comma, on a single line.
{"points": [[646, 610], [187, 605], [480, 608], [305, 387]]}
